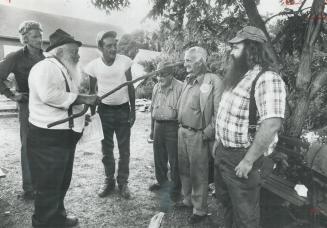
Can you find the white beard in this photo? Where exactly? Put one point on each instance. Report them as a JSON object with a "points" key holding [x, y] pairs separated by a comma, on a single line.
{"points": [[80, 79], [73, 71]]}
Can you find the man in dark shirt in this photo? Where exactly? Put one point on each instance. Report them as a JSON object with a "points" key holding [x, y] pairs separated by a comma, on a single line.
{"points": [[20, 63]]}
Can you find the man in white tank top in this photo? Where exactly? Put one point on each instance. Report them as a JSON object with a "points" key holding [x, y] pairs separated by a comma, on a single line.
{"points": [[117, 111]]}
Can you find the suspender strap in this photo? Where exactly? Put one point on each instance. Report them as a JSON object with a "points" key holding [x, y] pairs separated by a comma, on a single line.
{"points": [[70, 109], [253, 108]]}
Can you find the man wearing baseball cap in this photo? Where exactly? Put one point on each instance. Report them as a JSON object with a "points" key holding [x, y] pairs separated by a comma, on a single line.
{"points": [[164, 127], [249, 117], [20, 63], [117, 111], [54, 95]]}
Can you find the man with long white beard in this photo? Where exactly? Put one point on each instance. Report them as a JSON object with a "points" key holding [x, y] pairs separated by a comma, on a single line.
{"points": [[249, 82], [53, 85]]}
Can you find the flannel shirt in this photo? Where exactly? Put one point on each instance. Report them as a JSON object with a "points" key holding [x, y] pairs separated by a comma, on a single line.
{"points": [[233, 112]]}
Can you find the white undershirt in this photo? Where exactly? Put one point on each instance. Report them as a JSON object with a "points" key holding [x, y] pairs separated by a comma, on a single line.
{"points": [[109, 77]]}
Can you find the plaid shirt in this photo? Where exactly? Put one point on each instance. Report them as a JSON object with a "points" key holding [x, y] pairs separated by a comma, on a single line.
{"points": [[233, 112]]}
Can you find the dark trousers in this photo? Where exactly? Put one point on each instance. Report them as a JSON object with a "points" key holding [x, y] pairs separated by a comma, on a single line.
{"points": [[239, 196], [23, 114], [115, 119], [51, 157], [165, 149]]}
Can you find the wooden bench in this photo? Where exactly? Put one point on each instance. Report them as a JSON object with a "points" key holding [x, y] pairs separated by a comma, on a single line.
{"points": [[280, 185], [299, 155], [2, 173], [283, 189]]}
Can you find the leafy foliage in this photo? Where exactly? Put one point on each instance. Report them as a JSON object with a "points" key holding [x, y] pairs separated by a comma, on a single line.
{"points": [[210, 23], [108, 5], [129, 44]]}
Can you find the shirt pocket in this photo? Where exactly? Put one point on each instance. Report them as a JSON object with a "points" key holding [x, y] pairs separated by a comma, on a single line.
{"points": [[195, 102]]}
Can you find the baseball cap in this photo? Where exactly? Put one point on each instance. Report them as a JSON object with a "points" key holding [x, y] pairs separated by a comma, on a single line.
{"points": [[249, 33], [164, 72], [104, 34]]}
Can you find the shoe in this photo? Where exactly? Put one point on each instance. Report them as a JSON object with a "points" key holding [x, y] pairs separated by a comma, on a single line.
{"points": [[154, 187], [69, 221], [28, 195], [124, 191], [196, 218], [107, 188], [175, 196], [181, 205]]}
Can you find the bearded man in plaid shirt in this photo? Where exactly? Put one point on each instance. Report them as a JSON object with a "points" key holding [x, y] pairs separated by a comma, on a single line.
{"points": [[238, 156]]}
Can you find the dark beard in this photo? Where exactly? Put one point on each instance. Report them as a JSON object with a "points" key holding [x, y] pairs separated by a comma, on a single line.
{"points": [[236, 69]]}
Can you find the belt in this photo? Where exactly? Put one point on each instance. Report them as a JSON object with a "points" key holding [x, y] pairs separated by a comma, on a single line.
{"points": [[124, 105], [166, 121], [236, 149], [189, 128]]}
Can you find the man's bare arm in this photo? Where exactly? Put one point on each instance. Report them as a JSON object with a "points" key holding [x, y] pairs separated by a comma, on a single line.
{"points": [[131, 94]]}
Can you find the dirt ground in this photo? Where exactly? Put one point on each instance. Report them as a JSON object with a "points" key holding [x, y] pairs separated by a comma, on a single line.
{"points": [[88, 175]]}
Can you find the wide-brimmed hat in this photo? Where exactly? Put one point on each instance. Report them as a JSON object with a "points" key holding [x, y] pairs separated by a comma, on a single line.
{"points": [[249, 33], [60, 37]]}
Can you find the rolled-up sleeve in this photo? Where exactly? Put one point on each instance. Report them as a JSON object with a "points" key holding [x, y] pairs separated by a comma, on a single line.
{"points": [[270, 96], [50, 86]]}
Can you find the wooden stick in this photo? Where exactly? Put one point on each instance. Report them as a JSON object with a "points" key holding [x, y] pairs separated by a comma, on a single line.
{"points": [[86, 107]]}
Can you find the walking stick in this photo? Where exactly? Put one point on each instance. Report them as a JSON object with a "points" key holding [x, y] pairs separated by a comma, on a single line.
{"points": [[151, 74]]}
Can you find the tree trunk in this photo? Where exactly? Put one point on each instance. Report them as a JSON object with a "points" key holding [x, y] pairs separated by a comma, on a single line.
{"points": [[256, 20], [304, 76], [294, 124]]}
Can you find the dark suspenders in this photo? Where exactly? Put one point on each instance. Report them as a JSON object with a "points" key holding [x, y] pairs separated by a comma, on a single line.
{"points": [[70, 109], [253, 107]]}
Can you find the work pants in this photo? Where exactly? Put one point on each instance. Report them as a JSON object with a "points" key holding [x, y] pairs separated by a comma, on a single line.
{"points": [[193, 162], [51, 157], [115, 119], [238, 196], [165, 149], [23, 114]]}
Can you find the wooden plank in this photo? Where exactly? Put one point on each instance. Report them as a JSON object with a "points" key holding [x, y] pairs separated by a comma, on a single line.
{"points": [[2, 174], [282, 188]]}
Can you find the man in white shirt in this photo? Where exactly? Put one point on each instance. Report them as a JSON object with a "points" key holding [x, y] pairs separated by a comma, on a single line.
{"points": [[53, 85], [117, 111]]}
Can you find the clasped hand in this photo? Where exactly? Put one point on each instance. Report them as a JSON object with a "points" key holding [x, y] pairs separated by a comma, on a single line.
{"points": [[19, 97], [243, 168]]}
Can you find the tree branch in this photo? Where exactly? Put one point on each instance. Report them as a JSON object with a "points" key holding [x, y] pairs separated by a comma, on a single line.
{"points": [[256, 20], [318, 82], [302, 4], [286, 13], [279, 14]]}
